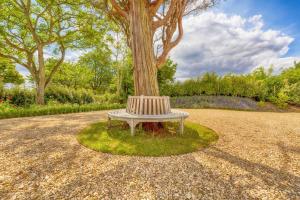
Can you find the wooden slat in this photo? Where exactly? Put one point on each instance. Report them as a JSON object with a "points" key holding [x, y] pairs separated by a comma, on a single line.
{"points": [[148, 105], [158, 108], [155, 107], [141, 105], [145, 106], [162, 106]]}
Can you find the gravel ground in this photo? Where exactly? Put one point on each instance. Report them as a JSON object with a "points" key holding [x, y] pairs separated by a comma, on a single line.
{"points": [[256, 157]]}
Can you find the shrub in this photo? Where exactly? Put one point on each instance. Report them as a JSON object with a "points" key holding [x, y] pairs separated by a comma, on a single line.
{"points": [[69, 95], [19, 97], [294, 94], [107, 98], [5, 106]]}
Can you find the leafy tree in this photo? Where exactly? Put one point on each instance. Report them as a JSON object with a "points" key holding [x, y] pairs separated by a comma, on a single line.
{"points": [[166, 74], [32, 29], [71, 75], [100, 64]]}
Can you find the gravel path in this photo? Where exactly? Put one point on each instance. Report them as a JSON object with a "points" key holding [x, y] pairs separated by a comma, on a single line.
{"points": [[256, 157]]}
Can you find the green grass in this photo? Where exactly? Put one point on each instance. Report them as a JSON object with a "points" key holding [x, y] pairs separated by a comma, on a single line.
{"points": [[117, 139], [55, 109]]}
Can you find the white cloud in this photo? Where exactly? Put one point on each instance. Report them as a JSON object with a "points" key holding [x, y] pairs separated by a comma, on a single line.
{"points": [[221, 43]]}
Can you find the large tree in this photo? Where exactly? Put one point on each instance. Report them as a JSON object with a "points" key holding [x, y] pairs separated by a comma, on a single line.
{"points": [[152, 28], [33, 30]]}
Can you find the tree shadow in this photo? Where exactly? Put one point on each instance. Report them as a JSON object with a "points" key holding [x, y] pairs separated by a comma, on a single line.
{"points": [[282, 180]]}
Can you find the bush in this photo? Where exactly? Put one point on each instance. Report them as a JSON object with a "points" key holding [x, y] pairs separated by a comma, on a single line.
{"points": [[294, 94], [69, 95], [19, 97], [107, 98], [5, 106]]}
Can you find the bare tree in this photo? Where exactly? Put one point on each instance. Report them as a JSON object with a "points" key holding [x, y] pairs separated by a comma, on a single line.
{"points": [[152, 28]]}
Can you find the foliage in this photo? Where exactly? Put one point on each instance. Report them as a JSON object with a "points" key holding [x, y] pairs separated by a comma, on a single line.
{"points": [[9, 74], [165, 75], [70, 75], [19, 97], [99, 64], [63, 95], [6, 106], [117, 139], [37, 110], [69, 95]]}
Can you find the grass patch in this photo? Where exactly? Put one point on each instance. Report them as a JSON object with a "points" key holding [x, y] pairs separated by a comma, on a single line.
{"points": [[55, 109], [117, 139]]}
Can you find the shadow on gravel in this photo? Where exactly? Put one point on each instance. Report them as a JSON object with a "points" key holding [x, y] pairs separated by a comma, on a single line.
{"points": [[282, 180]]}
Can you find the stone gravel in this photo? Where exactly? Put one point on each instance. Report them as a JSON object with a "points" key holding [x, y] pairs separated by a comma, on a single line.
{"points": [[256, 157]]}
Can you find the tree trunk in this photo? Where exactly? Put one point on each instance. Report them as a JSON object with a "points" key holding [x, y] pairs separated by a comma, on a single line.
{"points": [[41, 82], [145, 71]]}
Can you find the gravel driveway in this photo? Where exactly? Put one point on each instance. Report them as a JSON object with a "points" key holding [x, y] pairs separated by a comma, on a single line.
{"points": [[256, 157]]}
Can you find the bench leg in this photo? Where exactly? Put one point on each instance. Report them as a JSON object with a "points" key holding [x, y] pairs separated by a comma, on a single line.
{"points": [[109, 122], [132, 126], [181, 126]]}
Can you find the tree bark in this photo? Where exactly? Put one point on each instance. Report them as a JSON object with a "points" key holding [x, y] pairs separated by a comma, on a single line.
{"points": [[145, 70], [41, 82]]}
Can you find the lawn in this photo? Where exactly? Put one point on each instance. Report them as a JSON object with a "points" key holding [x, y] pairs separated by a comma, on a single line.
{"points": [[117, 139]]}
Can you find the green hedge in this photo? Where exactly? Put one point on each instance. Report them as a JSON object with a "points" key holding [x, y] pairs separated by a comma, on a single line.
{"points": [[56, 109], [26, 97]]}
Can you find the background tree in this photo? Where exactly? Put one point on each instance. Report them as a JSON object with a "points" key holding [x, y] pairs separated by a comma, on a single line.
{"points": [[72, 75], [150, 24], [100, 64]]}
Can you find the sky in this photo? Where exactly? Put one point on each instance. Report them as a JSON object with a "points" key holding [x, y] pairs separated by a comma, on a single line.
{"points": [[236, 36]]}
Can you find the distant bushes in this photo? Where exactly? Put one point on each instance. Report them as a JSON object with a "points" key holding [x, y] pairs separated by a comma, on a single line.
{"points": [[259, 85], [212, 84], [69, 95]]}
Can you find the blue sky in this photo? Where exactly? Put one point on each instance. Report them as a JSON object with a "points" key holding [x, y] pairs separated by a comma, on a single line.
{"points": [[281, 15], [239, 35]]}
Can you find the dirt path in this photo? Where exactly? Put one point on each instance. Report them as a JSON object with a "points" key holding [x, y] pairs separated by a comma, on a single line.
{"points": [[257, 156]]}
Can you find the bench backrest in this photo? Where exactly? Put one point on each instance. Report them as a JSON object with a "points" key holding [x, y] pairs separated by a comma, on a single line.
{"points": [[148, 105]]}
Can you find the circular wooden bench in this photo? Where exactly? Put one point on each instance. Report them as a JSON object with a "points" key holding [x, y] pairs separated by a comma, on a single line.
{"points": [[148, 109]]}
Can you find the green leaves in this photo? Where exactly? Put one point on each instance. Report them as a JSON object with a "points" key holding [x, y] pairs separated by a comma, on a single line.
{"points": [[9, 74]]}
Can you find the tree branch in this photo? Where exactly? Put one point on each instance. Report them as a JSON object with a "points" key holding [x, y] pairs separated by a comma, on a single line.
{"points": [[9, 43], [56, 66], [154, 6], [119, 10], [14, 59]]}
